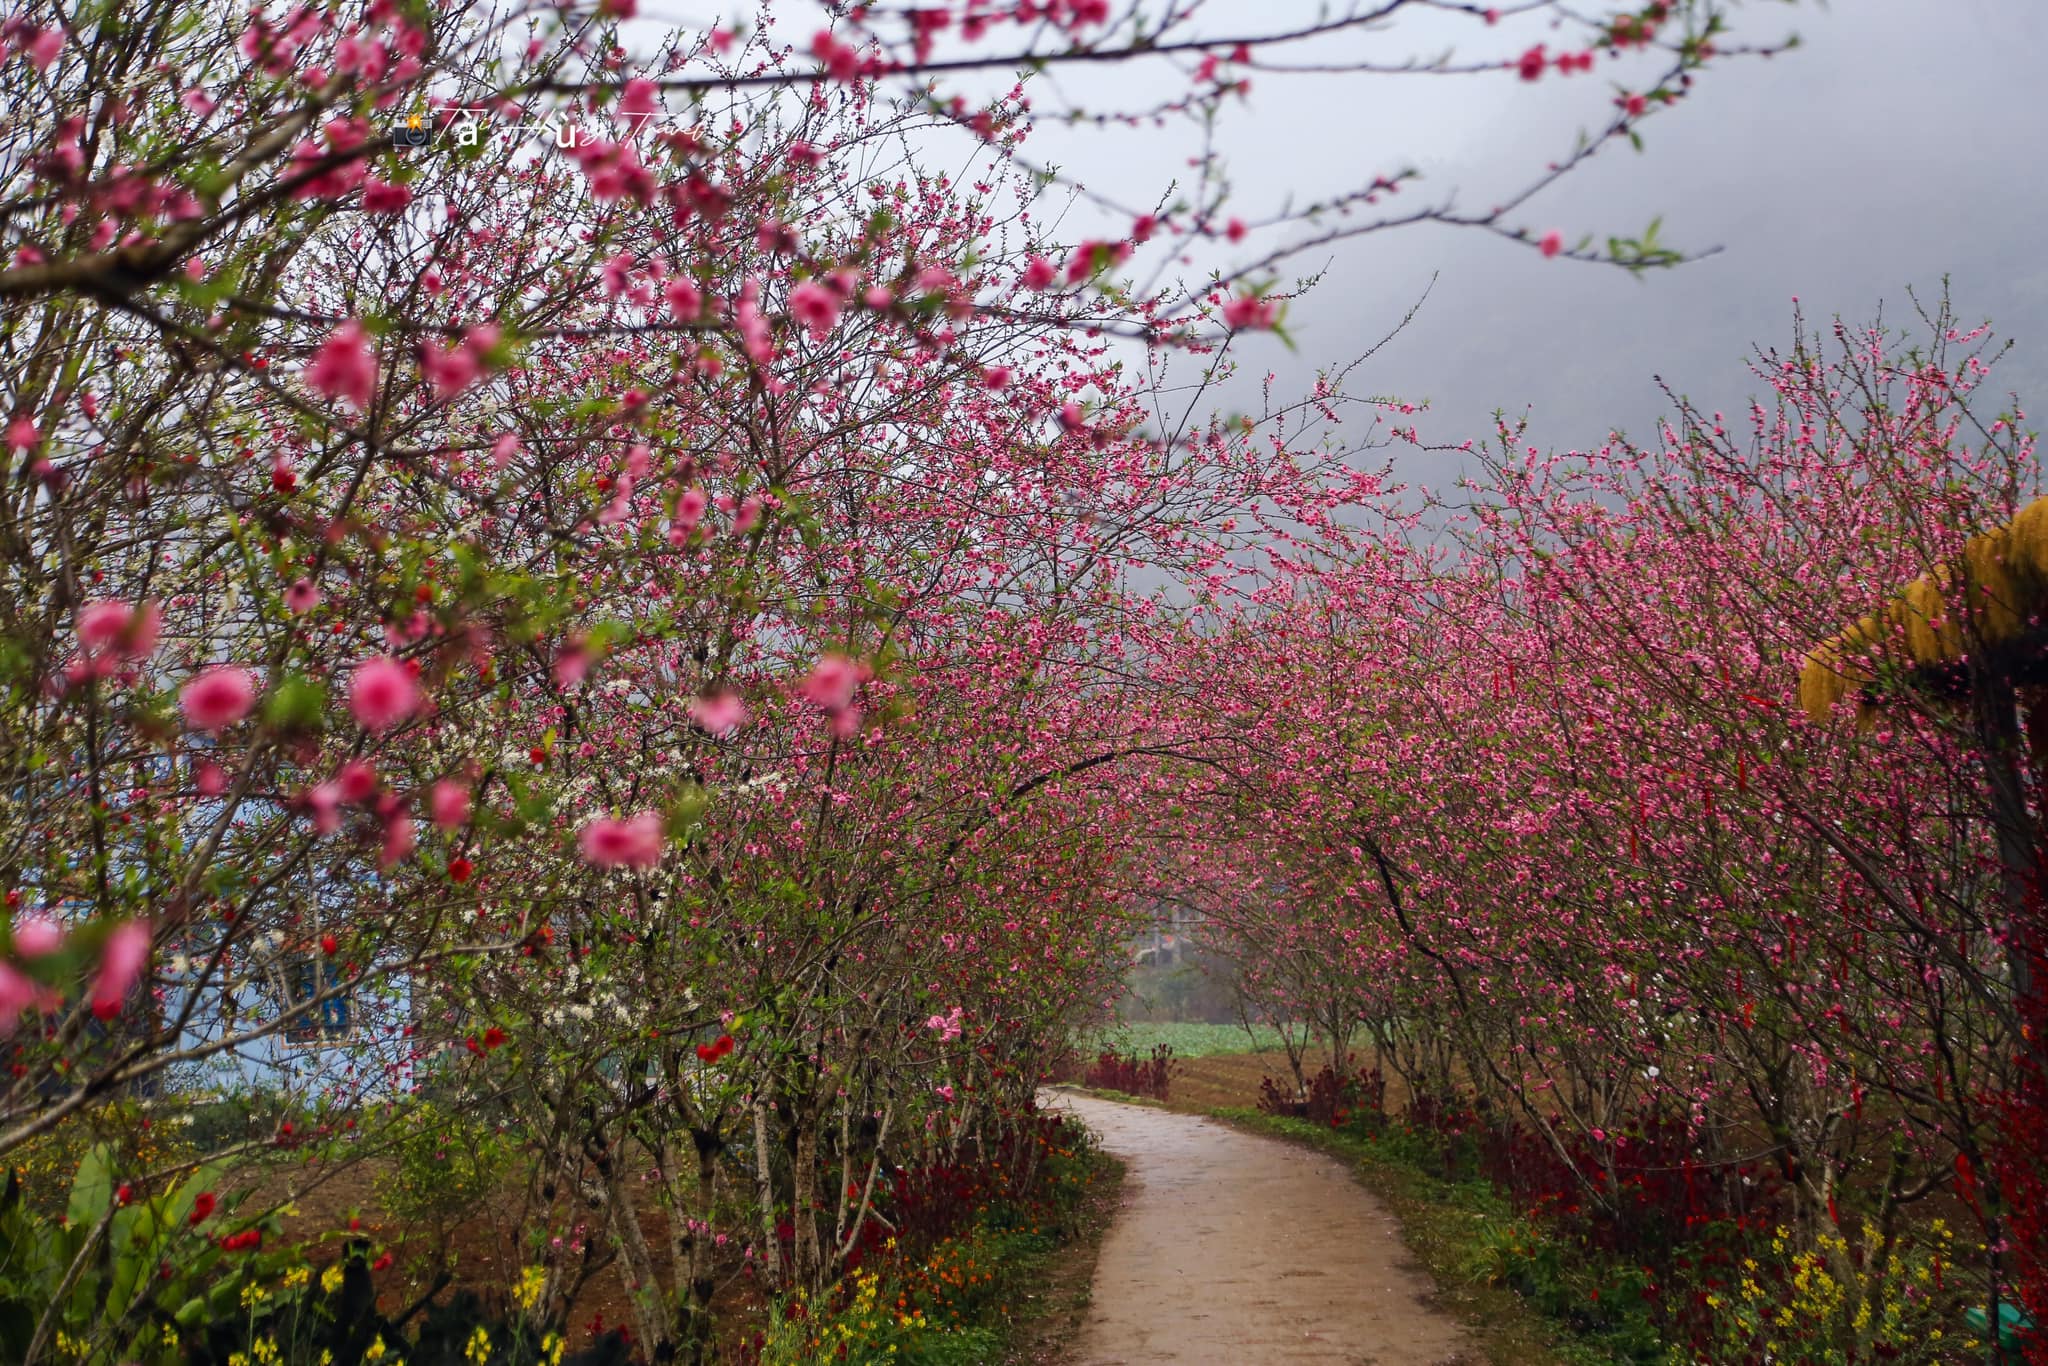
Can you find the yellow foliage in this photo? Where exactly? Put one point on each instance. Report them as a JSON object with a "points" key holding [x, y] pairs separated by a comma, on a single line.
{"points": [[1994, 593], [2000, 581], [2027, 546], [1832, 670], [1934, 634], [1822, 682]]}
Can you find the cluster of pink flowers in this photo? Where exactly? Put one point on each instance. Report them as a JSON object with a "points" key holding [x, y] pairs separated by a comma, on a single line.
{"points": [[113, 636], [344, 367], [946, 1026], [832, 686], [38, 937], [635, 842]]}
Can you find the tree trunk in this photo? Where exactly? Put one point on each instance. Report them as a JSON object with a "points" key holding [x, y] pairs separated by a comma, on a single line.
{"points": [[699, 1283], [807, 1255], [764, 1195]]}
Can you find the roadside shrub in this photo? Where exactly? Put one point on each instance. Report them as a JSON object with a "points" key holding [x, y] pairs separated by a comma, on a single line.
{"points": [[1134, 1075], [1683, 1259], [331, 1316], [130, 1135], [1595, 1297], [926, 1297], [1352, 1100], [1847, 1299], [125, 1274], [446, 1163]]}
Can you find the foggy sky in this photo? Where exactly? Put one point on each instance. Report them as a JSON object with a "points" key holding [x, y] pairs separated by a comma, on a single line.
{"points": [[1904, 140]]}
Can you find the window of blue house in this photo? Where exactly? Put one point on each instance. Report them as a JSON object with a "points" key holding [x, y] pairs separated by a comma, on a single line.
{"points": [[330, 1021]]}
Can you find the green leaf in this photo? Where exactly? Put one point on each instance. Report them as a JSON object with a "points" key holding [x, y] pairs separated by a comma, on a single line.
{"points": [[178, 1208], [93, 1188], [297, 704]]}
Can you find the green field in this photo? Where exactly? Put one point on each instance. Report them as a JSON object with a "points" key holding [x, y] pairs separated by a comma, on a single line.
{"points": [[1186, 1040]]}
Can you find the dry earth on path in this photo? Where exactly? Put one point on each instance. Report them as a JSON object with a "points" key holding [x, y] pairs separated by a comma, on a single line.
{"points": [[1238, 1250]]}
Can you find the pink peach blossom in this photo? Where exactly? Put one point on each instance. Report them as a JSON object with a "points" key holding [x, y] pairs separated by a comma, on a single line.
{"points": [[684, 299], [816, 307], [344, 368], [129, 630], [640, 98], [449, 369], [20, 992], [631, 843], [218, 697], [383, 197], [719, 713], [1249, 312], [356, 782], [382, 693], [831, 683], [398, 841], [572, 664], [121, 961], [36, 936], [448, 802], [324, 801], [43, 46]]}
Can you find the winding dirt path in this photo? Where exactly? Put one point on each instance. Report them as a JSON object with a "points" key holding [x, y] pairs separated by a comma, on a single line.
{"points": [[1238, 1250]]}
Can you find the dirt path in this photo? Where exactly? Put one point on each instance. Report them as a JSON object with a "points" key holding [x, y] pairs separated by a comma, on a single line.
{"points": [[1238, 1250]]}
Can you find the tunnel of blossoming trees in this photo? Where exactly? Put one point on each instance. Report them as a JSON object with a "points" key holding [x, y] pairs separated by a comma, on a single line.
{"points": [[614, 626]]}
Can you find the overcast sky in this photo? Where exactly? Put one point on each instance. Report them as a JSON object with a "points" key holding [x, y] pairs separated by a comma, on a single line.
{"points": [[1903, 140]]}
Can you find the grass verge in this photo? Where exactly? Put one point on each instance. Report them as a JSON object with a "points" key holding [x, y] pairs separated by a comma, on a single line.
{"points": [[1046, 1319]]}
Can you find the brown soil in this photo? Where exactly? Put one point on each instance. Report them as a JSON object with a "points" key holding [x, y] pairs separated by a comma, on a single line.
{"points": [[1224, 1079], [1231, 1249]]}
